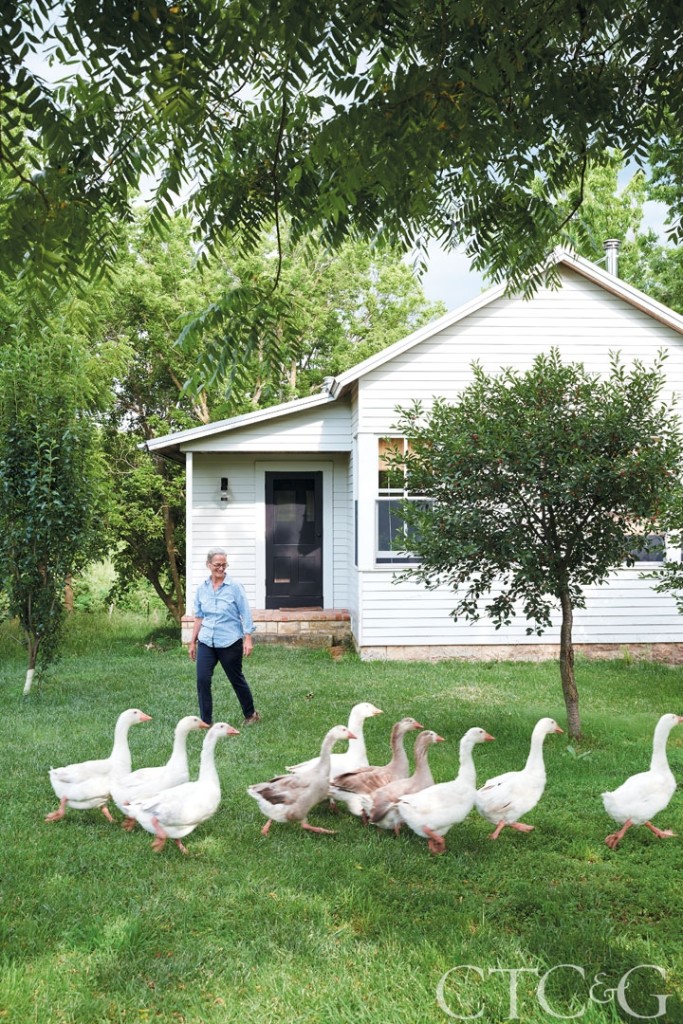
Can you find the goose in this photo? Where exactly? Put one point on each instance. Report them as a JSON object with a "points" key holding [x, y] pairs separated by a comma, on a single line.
{"points": [[148, 781], [356, 755], [642, 796], [433, 811], [291, 797], [88, 783], [381, 806], [504, 799], [350, 787], [174, 813]]}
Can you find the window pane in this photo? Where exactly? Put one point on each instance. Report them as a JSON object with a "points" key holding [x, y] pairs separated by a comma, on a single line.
{"points": [[389, 477], [390, 527]]}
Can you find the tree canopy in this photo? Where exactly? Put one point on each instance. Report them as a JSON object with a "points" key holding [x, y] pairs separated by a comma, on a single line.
{"points": [[465, 121]]}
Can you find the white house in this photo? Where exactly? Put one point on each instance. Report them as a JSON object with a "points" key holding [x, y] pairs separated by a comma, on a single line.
{"points": [[297, 496]]}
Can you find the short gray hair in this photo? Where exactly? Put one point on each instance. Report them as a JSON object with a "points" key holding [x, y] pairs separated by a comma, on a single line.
{"points": [[215, 551]]}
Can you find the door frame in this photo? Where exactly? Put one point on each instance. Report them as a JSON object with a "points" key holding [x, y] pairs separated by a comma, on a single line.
{"points": [[298, 466]]}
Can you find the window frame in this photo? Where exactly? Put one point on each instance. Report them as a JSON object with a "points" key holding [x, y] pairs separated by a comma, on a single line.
{"points": [[390, 495]]}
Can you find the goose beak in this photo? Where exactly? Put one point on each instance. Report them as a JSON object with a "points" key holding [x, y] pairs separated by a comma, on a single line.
{"points": [[352, 736], [680, 719], [488, 736], [231, 731], [203, 725], [145, 718], [377, 711], [557, 729], [439, 739], [417, 725]]}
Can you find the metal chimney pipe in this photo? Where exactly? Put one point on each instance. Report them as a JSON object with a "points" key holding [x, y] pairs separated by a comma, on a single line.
{"points": [[611, 247]]}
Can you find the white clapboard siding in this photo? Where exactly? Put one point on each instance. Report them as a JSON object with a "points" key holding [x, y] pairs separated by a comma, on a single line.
{"points": [[582, 320], [234, 524], [323, 429], [624, 610]]}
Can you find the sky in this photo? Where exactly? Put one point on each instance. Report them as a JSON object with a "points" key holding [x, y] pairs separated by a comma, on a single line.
{"points": [[450, 278]]}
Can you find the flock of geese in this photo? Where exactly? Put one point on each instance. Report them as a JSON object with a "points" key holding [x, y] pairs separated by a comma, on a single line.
{"points": [[168, 805]]}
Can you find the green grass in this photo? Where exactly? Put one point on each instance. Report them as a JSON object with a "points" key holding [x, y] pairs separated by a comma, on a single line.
{"points": [[358, 927]]}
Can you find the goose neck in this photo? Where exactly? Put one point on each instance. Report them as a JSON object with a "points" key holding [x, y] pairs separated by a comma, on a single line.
{"points": [[659, 760], [207, 761], [120, 753], [399, 758], [534, 762], [467, 772]]}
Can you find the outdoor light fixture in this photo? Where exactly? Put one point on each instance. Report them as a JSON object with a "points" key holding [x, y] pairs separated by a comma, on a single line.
{"points": [[224, 488]]}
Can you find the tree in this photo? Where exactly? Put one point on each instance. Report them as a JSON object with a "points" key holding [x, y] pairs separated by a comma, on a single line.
{"points": [[608, 211], [535, 486], [464, 120], [50, 473]]}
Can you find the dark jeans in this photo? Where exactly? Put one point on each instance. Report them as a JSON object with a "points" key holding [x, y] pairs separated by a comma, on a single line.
{"points": [[231, 663]]}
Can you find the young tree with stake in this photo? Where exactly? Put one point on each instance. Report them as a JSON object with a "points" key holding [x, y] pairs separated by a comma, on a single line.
{"points": [[536, 486]]}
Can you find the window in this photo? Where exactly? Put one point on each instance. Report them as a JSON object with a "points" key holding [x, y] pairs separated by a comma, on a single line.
{"points": [[393, 535], [654, 550]]}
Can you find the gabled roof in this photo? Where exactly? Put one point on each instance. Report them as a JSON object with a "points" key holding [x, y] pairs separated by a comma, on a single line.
{"points": [[170, 444], [582, 266]]}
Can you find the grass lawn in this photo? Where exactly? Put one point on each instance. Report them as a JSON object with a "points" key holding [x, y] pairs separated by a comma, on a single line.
{"points": [[357, 927]]}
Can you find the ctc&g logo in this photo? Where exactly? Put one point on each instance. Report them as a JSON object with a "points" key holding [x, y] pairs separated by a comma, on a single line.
{"points": [[459, 1004]]}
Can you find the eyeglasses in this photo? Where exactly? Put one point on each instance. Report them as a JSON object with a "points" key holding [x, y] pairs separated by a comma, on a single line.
{"points": [[219, 565]]}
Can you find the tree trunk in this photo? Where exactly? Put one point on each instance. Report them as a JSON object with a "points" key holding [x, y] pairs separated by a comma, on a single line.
{"points": [[69, 594], [33, 644], [569, 690], [177, 583]]}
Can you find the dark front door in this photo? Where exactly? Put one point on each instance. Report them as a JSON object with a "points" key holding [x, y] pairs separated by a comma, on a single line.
{"points": [[294, 540]]}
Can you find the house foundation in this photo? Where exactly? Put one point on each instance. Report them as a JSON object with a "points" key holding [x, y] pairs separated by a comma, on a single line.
{"points": [[295, 627]]}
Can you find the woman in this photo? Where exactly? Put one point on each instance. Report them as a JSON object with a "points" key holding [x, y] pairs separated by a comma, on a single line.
{"points": [[222, 633]]}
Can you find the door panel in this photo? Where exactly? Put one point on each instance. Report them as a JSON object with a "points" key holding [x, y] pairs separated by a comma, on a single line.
{"points": [[294, 538]]}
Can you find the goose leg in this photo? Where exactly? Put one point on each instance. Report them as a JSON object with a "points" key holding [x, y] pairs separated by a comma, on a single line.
{"points": [[615, 838], [161, 836], [435, 842], [128, 824], [107, 813], [661, 833], [314, 828], [266, 828], [521, 827], [183, 849], [59, 813], [498, 829]]}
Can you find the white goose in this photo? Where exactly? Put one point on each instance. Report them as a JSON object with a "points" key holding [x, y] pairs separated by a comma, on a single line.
{"points": [[351, 787], [291, 797], [504, 799], [148, 781], [174, 813], [433, 811], [642, 796], [382, 805], [356, 755], [87, 784]]}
